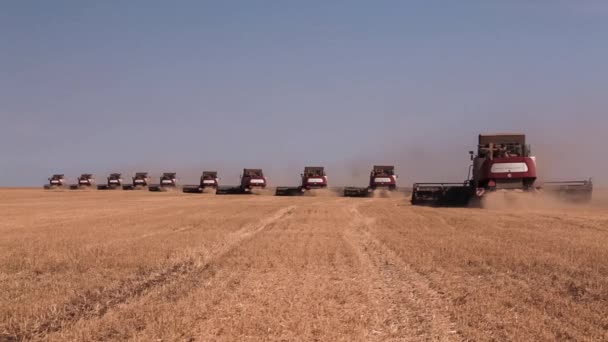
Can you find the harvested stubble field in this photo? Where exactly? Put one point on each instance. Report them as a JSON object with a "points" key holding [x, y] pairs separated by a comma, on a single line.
{"points": [[146, 266]]}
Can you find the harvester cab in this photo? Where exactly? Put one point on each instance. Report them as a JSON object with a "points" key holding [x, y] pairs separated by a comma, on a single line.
{"points": [[55, 181], [383, 176], [167, 181], [140, 181], [85, 180], [209, 180], [114, 181], [250, 179]]}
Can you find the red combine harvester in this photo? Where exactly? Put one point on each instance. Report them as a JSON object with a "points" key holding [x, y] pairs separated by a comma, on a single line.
{"points": [[209, 180], [381, 177], [503, 163], [55, 182], [250, 179], [167, 181], [85, 181], [114, 181], [313, 177], [140, 181]]}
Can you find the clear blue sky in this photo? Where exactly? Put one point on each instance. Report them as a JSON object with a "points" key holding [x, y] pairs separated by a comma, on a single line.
{"points": [[100, 86]]}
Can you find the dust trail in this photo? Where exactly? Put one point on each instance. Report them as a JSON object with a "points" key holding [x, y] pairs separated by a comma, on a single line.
{"points": [[520, 200], [385, 193], [321, 193], [263, 192]]}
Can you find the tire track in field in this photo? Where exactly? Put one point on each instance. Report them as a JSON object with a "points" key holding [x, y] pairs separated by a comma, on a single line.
{"points": [[416, 311], [95, 304]]}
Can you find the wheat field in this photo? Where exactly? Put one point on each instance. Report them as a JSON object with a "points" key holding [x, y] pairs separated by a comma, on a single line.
{"points": [[140, 266]]}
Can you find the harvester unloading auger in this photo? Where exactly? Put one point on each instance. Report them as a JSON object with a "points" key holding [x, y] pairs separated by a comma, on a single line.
{"points": [[381, 177], [114, 181], [56, 181], [167, 181], [140, 181], [250, 179], [313, 177], [209, 180], [85, 181], [503, 163]]}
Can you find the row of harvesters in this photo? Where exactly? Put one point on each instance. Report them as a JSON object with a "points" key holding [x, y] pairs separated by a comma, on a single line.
{"points": [[313, 177], [250, 179], [87, 181], [503, 163]]}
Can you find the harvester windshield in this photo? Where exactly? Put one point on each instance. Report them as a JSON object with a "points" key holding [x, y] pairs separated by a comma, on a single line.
{"points": [[253, 173], [314, 171], [383, 170], [210, 174], [502, 146], [141, 174]]}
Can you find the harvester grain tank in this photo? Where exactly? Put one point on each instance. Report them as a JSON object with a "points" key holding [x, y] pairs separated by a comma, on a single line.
{"points": [[55, 181], [380, 177], [209, 180], [85, 181], [313, 177], [139, 181], [167, 181], [114, 181], [250, 179], [503, 163]]}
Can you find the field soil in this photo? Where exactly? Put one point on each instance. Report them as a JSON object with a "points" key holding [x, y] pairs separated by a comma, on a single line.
{"points": [[141, 266]]}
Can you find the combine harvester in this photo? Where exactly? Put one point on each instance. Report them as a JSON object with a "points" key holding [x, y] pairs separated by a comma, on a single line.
{"points": [[114, 181], [503, 163], [85, 181], [250, 179], [167, 181], [209, 180], [55, 182], [140, 181], [381, 177], [313, 177]]}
